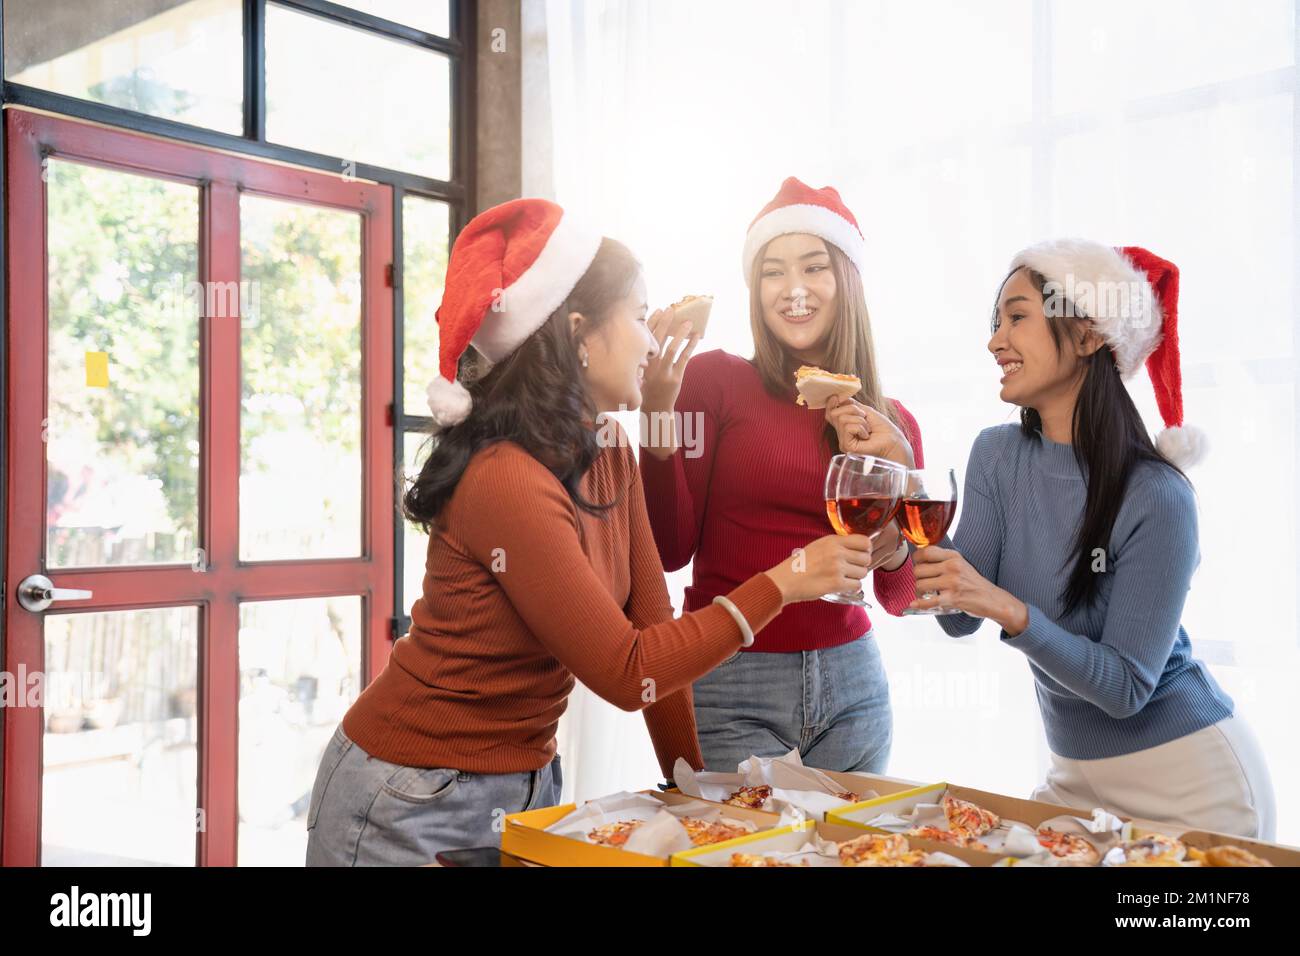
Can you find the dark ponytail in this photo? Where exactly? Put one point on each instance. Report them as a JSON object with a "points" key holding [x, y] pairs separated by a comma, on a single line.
{"points": [[1109, 440], [535, 397]]}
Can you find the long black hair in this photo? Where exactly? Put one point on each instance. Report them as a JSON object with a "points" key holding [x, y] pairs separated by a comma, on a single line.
{"points": [[535, 397], [1109, 440]]}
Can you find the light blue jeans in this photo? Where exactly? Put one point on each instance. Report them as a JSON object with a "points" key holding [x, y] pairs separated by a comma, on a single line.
{"points": [[832, 705], [368, 812]]}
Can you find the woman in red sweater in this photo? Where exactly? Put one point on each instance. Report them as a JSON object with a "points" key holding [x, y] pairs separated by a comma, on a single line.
{"points": [[751, 490], [541, 565]]}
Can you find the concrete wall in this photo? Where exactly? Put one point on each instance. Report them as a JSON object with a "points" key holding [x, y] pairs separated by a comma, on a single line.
{"points": [[498, 147]]}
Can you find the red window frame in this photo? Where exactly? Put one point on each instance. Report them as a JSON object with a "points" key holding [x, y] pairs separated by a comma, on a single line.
{"points": [[220, 177]]}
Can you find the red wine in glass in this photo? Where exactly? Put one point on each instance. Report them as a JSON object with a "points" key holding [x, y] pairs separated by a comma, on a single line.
{"points": [[925, 513], [924, 521], [861, 497], [867, 514]]}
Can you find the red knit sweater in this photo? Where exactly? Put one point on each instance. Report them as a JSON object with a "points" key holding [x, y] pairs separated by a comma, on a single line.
{"points": [[754, 495]]}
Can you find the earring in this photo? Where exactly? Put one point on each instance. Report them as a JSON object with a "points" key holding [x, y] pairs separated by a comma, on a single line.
{"points": [[584, 359]]}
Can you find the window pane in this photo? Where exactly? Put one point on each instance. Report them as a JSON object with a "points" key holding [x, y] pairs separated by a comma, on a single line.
{"points": [[123, 432], [415, 543], [300, 425], [426, 238], [1245, 150], [300, 670], [1105, 52], [351, 94], [956, 67], [181, 61], [120, 745], [431, 16]]}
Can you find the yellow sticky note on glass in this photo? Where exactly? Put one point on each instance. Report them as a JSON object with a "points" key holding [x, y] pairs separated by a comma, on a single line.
{"points": [[97, 370]]}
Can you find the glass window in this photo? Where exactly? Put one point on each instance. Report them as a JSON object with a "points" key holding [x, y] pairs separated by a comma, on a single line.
{"points": [[299, 671], [119, 784], [122, 437], [415, 543], [1106, 52], [426, 238], [300, 422], [179, 61], [431, 16], [352, 94]]}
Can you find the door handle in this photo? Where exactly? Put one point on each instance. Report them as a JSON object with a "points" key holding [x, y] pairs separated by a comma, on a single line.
{"points": [[37, 592]]}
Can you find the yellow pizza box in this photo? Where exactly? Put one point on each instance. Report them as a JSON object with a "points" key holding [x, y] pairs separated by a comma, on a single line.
{"points": [[525, 836], [858, 783], [789, 838], [1279, 854], [1030, 812]]}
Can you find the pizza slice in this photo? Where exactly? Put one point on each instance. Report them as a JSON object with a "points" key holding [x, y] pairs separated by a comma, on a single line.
{"points": [[816, 385], [1069, 847], [752, 798], [614, 834], [874, 849], [758, 859], [1153, 850], [964, 815], [694, 309], [1228, 856], [705, 832], [960, 838]]}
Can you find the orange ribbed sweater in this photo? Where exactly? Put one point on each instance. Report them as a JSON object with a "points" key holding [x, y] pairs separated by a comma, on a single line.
{"points": [[522, 593]]}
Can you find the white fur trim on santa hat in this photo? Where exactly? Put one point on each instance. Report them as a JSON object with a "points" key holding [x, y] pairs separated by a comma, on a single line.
{"points": [[1184, 445], [449, 402], [538, 291], [804, 217], [1104, 285]]}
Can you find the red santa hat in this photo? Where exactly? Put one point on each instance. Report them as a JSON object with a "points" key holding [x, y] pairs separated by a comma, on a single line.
{"points": [[1130, 296], [800, 208], [510, 268]]}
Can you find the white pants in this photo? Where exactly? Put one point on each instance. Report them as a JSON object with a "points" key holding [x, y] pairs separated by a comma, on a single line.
{"points": [[1213, 779]]}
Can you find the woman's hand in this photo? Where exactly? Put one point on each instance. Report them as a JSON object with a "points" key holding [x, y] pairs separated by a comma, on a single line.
{"points": [[886, 546], [837, 562], [663, 374], [864, 431], [961, 587]]}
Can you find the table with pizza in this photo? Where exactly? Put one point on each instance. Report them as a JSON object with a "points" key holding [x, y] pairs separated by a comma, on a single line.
{"points": [[775, 812]]}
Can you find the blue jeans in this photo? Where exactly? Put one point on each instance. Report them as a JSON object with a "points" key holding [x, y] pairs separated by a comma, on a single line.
{"points": [[832, 705], [368, 812]]}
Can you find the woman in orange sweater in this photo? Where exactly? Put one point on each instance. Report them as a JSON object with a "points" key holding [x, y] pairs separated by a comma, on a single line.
{"points": [[541, 566]]}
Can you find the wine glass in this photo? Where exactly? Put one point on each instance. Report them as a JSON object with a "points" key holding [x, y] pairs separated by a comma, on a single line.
{"points": [[833, 483], [864, 499], [925, 512]]}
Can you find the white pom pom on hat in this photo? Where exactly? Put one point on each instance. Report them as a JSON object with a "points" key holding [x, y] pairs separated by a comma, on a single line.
{"points": [[1130, 296], [510, 268], [449, 402], [1184, 445]]}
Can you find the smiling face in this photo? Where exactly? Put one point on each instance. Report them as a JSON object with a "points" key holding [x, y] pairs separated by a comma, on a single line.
{"points": [[797, 293], [1036, 371], [618, 352]]}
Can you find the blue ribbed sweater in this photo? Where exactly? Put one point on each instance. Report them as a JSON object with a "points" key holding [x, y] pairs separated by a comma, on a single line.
{"points": [[1118, 675]]}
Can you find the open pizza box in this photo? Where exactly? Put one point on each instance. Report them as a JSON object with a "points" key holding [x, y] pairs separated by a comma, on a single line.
{"points": [[796, 789], [1279, 854], [527, 838], [800, 836], [882, 815]]}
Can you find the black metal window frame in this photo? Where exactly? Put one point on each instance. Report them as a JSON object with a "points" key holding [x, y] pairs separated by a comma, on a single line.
{"points": [[457, 192]]}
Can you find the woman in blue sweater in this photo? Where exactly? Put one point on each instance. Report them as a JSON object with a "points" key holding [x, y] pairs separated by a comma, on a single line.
{"points": [[1078, 536]]}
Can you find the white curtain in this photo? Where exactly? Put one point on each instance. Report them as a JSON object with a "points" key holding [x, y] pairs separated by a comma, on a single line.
{"points": [[959, 133]]}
